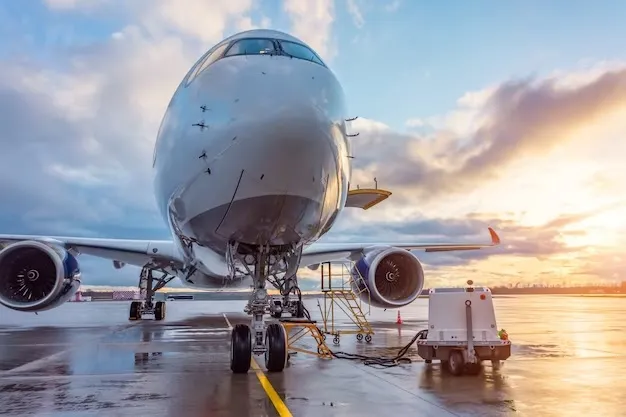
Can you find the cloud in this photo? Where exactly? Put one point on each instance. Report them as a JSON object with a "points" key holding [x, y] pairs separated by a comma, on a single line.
{"points": [[201, 20], [355, 12], [539, 241], [79, 132], [312, 22], [489, 130], [521, 246], [543, 252], [610, 266]]}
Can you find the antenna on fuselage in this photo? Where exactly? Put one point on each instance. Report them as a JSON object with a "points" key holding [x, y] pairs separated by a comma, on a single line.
{"points": [[375, 183], [201, 125], [351, 120]]}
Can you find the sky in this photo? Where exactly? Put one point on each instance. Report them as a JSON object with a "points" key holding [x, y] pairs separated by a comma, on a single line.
{"points": [[486, 113]]}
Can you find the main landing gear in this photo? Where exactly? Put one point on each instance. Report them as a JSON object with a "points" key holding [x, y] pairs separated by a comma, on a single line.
{"points": [[148, 285], [261, 338]]}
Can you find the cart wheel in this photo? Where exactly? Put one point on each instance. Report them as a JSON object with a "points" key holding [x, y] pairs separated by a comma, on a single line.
{"points": [[368, 338], [324, 336], [336, 340], [456, 362], [473, 368], [359, 337]]}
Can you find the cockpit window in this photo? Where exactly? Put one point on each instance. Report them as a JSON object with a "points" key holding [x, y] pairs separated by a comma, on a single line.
{"points": [[211, 58], [252, 47], [297, 50]]}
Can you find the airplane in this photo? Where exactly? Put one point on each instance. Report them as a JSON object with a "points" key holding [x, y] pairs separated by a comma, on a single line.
{"points": [[251, 168]]}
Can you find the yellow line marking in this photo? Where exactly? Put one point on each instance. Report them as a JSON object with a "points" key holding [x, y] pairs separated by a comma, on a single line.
{"points": [[279, 405]]}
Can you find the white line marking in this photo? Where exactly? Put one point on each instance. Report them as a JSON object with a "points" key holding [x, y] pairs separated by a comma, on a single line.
{"points": [[36, 363], [227, 321], [50, 358]]}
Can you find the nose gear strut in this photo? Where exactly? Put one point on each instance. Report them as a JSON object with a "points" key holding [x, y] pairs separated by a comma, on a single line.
{"points": [[265, 264]]}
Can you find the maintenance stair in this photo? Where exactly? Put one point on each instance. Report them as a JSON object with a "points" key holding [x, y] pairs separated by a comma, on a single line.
{"points": [[346, 290], [296, 329]]}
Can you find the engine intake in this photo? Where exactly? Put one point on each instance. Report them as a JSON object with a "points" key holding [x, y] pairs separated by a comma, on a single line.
{"points": [[35, 276], [388, 277]]}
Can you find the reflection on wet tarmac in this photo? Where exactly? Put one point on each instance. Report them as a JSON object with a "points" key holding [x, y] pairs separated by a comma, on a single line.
{"points": [[567, 360], [490, 388]]}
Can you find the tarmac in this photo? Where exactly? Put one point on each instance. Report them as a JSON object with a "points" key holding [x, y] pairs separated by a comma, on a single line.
{"points": [[87, 359]]}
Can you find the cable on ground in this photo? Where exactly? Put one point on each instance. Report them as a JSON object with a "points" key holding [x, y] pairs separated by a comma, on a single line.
{"points": [[381, 361]]}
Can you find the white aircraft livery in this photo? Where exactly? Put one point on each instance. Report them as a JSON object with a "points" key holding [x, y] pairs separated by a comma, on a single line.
{"points": [[251, 167]]}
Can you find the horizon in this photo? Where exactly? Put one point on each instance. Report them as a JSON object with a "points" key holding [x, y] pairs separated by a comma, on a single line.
{"points": [[487, 116], [612, 284]]}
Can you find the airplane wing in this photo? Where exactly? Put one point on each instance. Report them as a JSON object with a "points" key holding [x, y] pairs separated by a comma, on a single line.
{"points": [[132, 252], [329, 252], [141, 252]]}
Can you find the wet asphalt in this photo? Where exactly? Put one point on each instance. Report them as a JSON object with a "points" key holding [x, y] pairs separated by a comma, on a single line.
{"points": [[87, 359]]}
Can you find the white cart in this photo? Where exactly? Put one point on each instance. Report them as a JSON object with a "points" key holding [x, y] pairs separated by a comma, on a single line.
{"points": [[462, 330]]}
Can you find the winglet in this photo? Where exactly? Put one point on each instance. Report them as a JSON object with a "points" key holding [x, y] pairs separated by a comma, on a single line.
{"points": [[495, 239]]}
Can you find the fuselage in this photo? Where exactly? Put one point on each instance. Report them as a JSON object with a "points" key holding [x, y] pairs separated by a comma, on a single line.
{"points": [[253, 146]]}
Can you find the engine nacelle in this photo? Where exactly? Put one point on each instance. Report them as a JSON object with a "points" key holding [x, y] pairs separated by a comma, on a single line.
{"points": [[35, 276], [393, 277]]}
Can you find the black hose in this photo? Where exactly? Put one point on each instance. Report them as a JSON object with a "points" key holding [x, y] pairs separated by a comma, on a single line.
{"points": [[381, 361]]}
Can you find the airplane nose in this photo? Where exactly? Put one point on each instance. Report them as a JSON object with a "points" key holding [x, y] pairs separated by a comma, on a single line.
{"points": [[276, 177], [289, 182]]}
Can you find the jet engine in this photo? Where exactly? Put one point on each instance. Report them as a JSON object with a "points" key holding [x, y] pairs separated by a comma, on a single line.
{"points": [[35, 276], [388, 277]]}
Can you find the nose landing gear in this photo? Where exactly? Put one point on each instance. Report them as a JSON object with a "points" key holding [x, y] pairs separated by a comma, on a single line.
{"points": [[261, 338]]}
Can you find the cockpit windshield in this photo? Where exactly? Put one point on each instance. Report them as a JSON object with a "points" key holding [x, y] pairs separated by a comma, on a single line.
{"points": [[255, 46], [252, 47], [297, 50]]}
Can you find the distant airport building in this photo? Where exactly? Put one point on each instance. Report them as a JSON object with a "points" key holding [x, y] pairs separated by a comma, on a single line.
{"points": [[126, 295]]}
